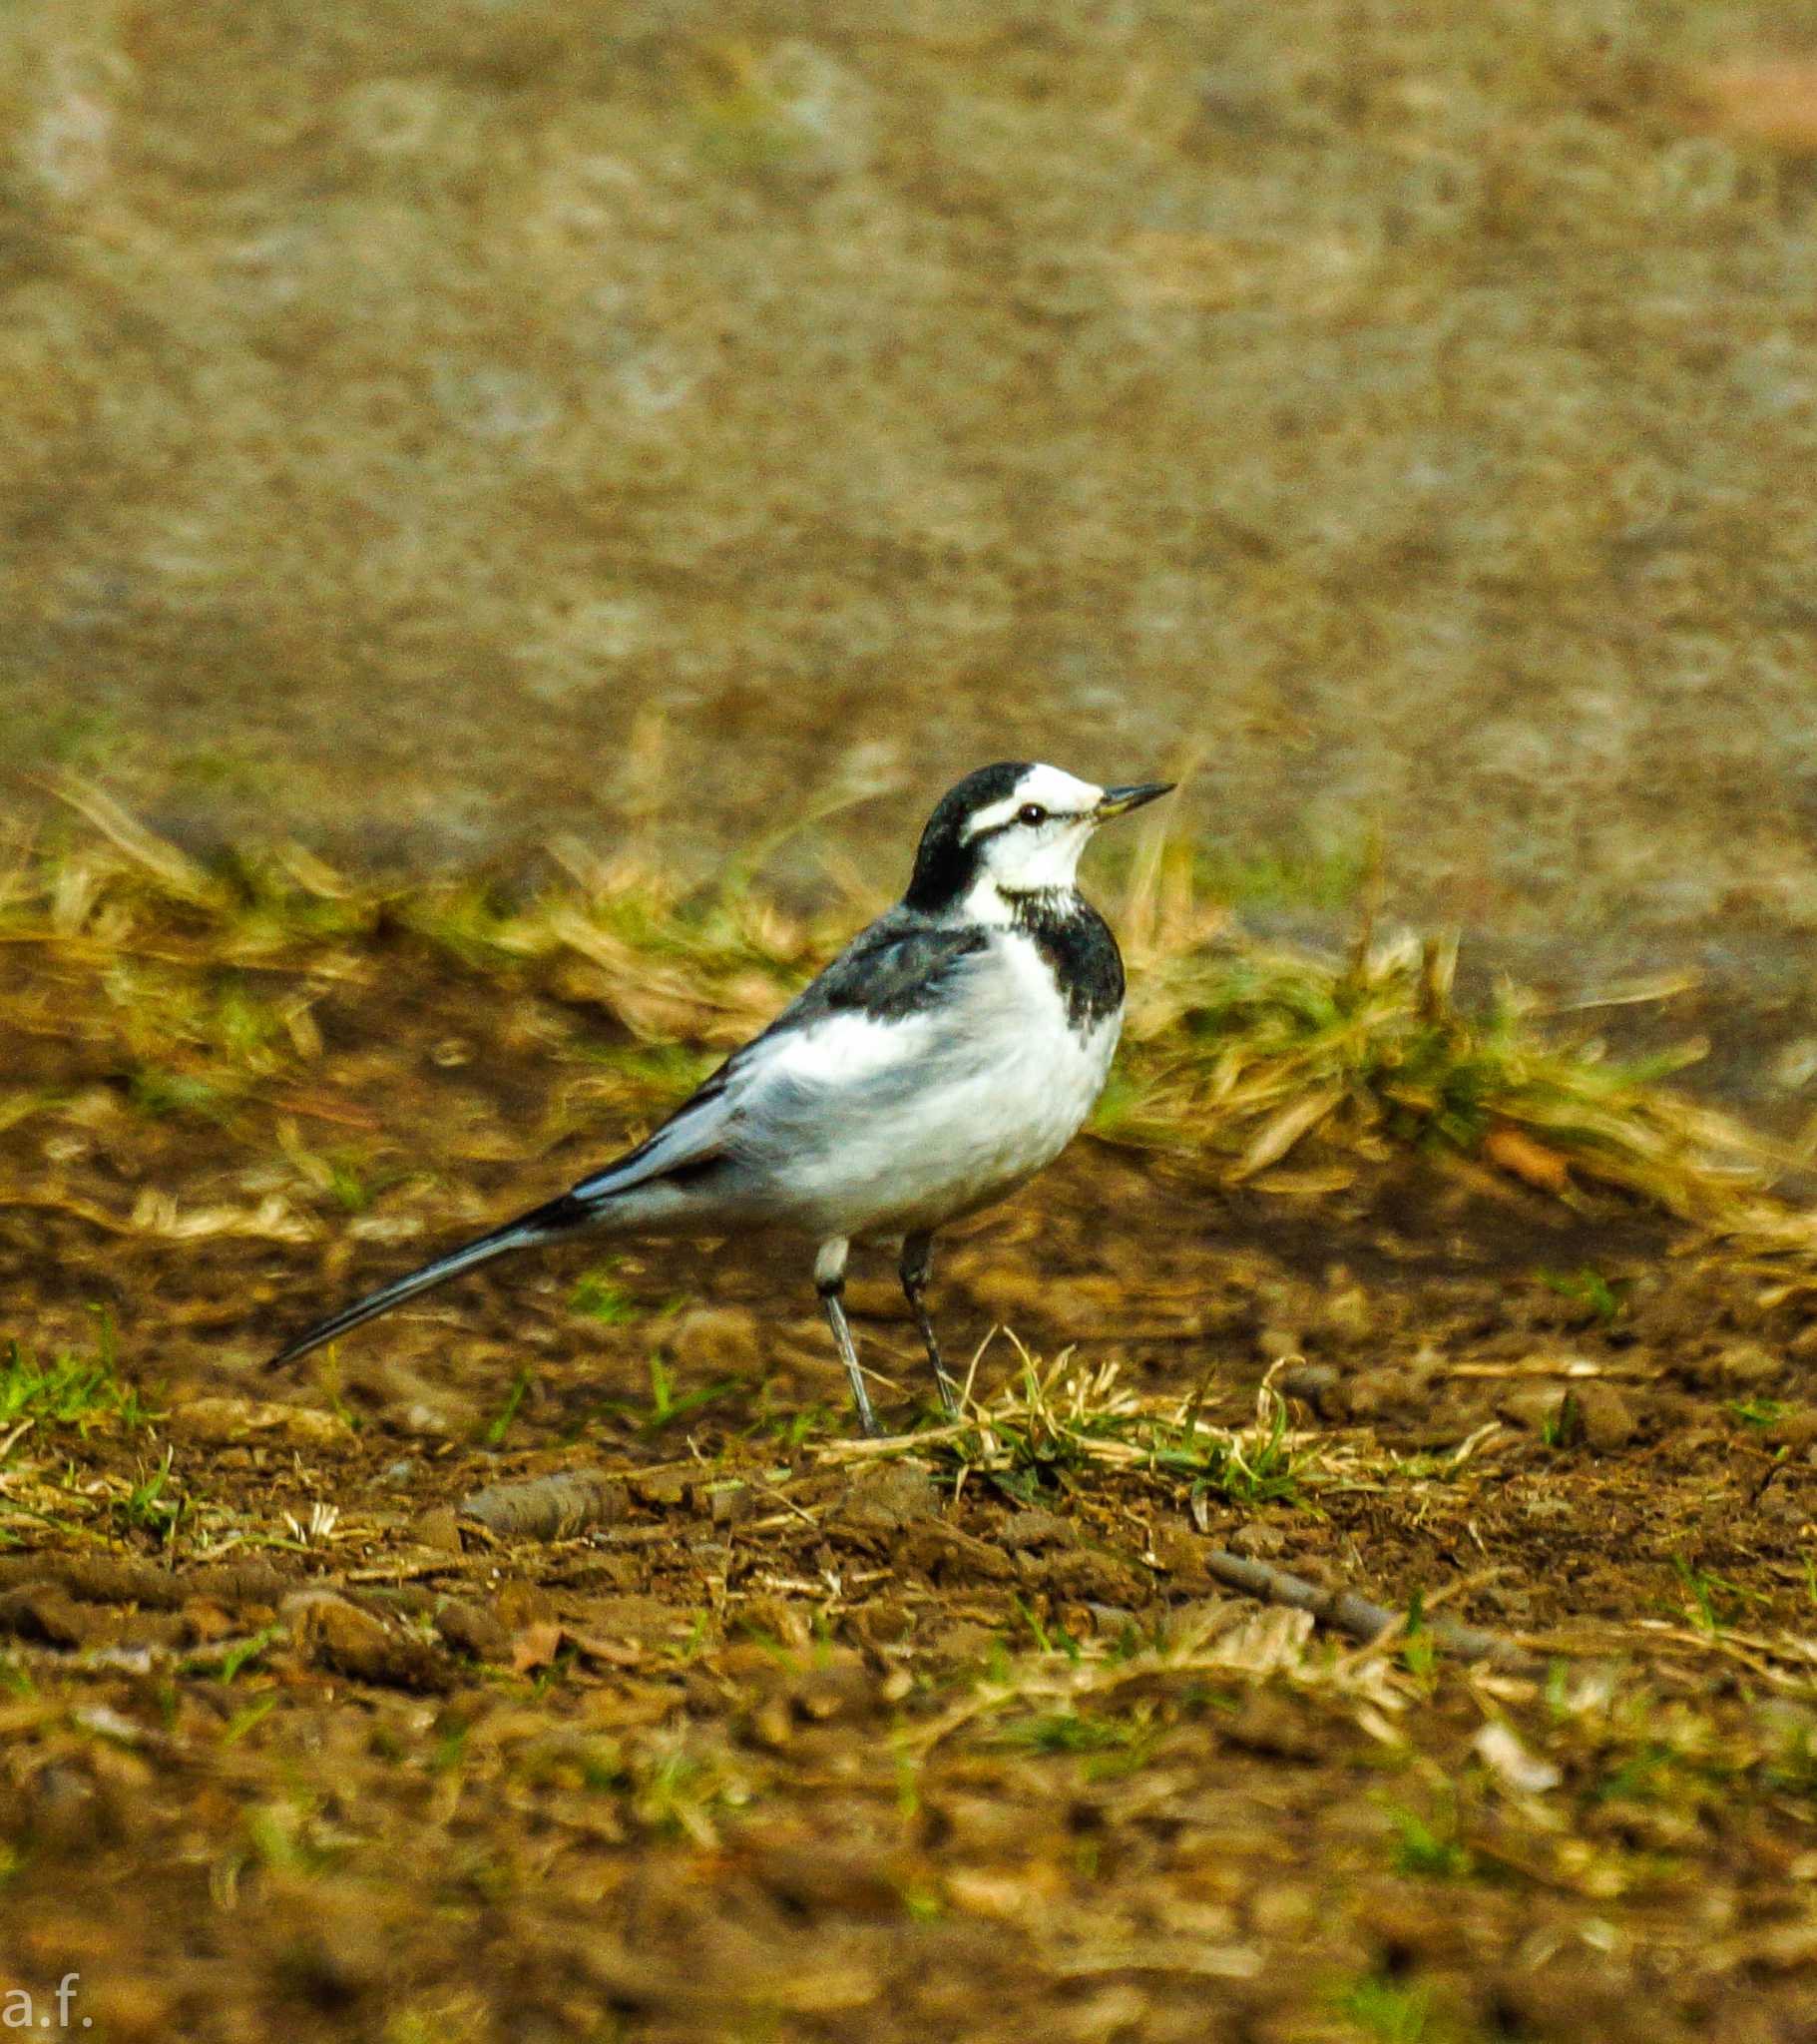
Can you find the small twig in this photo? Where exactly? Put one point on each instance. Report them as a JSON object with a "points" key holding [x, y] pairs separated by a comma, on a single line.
{"points": [[1347, 1612]]}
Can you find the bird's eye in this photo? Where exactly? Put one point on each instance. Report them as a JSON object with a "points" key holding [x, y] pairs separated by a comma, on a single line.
{"points": [[1031, 813]]}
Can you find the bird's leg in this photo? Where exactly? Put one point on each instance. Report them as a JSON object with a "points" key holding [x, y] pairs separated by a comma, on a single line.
{"points": [[829, 1282], [917, 1269]]}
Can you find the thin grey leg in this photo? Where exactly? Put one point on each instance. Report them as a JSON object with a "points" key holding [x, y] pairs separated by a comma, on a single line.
{"points": [[829, 1282], [917, 1269]]}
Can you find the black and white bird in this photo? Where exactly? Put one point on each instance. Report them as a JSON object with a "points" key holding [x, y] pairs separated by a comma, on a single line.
{"points": [[949, 1053]]}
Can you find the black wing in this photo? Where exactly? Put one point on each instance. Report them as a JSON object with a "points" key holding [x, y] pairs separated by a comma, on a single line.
{"points": [[900, 966]]}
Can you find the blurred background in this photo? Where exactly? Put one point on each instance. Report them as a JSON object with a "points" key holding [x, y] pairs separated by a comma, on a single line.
{"points": [[425, 429]]}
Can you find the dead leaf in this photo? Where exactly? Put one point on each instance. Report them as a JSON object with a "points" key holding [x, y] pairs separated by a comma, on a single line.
{"points": [[1532, 1163]]}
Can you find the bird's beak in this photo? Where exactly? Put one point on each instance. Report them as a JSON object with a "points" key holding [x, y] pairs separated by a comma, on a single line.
{"points": [[1118, 801]]}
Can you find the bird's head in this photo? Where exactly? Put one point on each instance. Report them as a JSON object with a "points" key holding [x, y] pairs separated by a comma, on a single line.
{"points": [[1009, 832]]}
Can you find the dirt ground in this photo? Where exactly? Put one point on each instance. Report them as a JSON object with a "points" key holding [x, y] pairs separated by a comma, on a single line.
{"points": [[780, 1738]]}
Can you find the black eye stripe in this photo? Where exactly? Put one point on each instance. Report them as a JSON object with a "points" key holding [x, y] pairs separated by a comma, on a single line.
{"points": [[1010, 823]]}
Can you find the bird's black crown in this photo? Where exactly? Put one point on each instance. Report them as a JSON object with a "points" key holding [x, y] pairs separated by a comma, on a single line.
{"points": [[945, 866]]}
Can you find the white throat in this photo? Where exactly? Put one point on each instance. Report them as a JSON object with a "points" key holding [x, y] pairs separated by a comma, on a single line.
{"points": [[985, 903]]}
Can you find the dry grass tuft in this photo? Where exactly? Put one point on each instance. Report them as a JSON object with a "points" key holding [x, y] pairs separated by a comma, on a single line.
{"points": [[1261, 1064]]}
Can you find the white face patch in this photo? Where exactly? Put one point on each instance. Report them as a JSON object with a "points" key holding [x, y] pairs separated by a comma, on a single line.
{"points": [[1017, 857], [1047, 789]]}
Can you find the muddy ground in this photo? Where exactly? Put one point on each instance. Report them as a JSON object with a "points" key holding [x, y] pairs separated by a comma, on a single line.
{"points": [[782, 1739]]}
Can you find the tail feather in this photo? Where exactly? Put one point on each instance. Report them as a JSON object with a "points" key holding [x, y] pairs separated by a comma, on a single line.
{"points": [[541, 1224]]}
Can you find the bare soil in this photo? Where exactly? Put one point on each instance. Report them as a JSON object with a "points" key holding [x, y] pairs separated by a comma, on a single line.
{"points": [[788, 1740]]}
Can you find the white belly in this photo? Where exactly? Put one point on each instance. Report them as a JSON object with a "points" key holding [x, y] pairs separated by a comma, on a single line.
{"points": [[937, 1121]]}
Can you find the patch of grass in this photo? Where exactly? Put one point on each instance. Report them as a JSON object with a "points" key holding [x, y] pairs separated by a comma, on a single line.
{"points": [[1051, 1421], [1237, 1054], [68, 1390], [288, 1837], [1563, 1427], [1714, 1600], [1757, 1412], [1244, 1054], [243, 1652], [1395, 2011], [154, 1504], [1075, 1732], [243, 1722], [599, 1296], [1429, 1849], [1601, 1301], [667, 1407], [499, 1423], [676, 1793]]}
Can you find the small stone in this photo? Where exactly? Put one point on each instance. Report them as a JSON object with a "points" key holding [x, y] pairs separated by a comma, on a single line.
{"points": [[725, 1503], [1256, 1540], [1744, 1366]]}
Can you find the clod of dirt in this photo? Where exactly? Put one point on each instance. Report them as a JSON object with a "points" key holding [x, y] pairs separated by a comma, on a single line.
{"points": [[472, 1630], [547, 1507], [1535, 1406], [340, 1636], [1794, 1429], [798, 1868], [45, 1611], [1346, 1318], [439, 1527], [948, 1554], [1033, 1528], [883, 1501], [662, 1489], [1085, 1578], [1607, 1418]]}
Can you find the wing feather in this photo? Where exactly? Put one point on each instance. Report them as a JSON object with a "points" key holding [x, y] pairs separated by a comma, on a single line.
{"points": [[898, 968]]}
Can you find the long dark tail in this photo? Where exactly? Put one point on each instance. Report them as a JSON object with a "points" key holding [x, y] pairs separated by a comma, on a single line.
{"points": [[541, 1224]]}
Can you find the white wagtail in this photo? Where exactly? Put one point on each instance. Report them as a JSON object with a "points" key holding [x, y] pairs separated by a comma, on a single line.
{"points": [[948, 1054]]}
